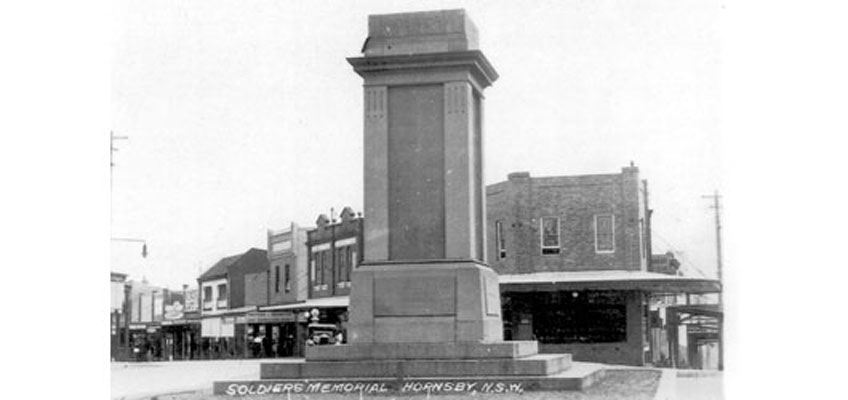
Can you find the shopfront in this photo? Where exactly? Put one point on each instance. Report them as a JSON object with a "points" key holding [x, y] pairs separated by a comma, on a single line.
{"points": [[218, 335], [298, 317], [271, 334], [145, 339], [181, 339], [596, 316], [180, 330]]}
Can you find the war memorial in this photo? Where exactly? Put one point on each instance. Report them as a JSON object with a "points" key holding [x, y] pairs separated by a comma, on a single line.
{"points": [[425, 311]]}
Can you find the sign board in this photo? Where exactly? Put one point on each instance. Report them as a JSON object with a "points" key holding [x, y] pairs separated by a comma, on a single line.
{"points": [[463, 387], [191, 301], [174, 311], [280, 247], [270, 317]]}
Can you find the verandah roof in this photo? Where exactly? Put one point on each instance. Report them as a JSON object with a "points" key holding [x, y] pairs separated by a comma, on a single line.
{"points": [[323, 302], [607, 280]]}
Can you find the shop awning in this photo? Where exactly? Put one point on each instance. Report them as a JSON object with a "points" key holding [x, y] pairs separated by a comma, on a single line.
{"points": [[228, 311], [607, 280], [181, 321], [324, 302]]}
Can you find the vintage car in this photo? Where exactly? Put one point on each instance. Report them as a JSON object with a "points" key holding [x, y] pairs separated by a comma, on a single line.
{"points": [[321, 334]]}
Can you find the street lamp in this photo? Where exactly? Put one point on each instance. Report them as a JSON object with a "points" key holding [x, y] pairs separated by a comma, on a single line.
{"points": [[142, 241]]}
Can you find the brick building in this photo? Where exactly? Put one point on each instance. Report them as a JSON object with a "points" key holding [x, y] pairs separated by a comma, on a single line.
{"points": [[573, 254], [568, 223], [119, 310], [288, 260], [273, 330], [181, 324], [335, 249], [225, 302]]}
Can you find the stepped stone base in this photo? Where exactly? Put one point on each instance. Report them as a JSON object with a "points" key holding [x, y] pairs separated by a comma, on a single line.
{"points": [[540, 364], [422, 351]]}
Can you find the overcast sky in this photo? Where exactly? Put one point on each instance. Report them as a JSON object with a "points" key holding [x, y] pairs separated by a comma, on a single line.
{"points": [[244, 115]]}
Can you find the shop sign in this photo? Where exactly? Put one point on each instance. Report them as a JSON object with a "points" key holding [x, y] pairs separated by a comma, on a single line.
{"points": [[152, 329], [191, 303], [269, 317], [174, 311]]}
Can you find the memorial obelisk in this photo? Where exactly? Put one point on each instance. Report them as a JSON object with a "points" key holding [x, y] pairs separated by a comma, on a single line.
{"points": [[424, 279], [424, 289]]}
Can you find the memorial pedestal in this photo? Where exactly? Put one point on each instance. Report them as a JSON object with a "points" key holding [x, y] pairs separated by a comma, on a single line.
{"points": [[434, 301]]}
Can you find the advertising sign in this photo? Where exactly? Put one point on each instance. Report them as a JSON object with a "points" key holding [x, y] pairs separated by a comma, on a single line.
{"points": [[191, 301], [174, 311]]}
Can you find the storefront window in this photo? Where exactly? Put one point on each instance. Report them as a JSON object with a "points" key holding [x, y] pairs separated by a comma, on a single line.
{"points": [[579, 317]]}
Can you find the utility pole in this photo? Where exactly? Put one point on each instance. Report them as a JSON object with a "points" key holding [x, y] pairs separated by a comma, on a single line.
{"points": [[717, 207]]}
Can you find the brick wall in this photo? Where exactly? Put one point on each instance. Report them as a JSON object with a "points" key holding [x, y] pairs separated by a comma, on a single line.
{"points": [[253, 261], [522, 201], [326, 238], [256, 289]]}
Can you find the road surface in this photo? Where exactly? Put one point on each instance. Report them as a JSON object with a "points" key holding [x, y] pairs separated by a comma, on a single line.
{"points": [[141, 380]]}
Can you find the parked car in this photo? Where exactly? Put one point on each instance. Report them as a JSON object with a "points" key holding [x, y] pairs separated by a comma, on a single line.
{"points": [[321, 334]]}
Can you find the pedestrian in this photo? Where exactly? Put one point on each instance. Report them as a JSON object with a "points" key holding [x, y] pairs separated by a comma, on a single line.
{"points": [[257, 345]]}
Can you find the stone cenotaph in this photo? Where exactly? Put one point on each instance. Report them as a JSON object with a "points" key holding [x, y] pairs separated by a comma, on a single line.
{"points": [[424, 303]]}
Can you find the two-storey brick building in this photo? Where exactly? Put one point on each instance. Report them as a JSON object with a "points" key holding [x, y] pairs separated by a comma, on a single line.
{"points": [[273, 330], [224, 302], [335, 250], [573, 254]]}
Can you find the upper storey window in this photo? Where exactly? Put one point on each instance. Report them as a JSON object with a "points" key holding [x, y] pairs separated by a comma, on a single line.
{"points": [[500, 240], [550, 235], [604, 233]]}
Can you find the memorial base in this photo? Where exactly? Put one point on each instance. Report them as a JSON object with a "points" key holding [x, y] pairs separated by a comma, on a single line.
{"points": [[539, 365], [426, 301], [422, 351]]}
